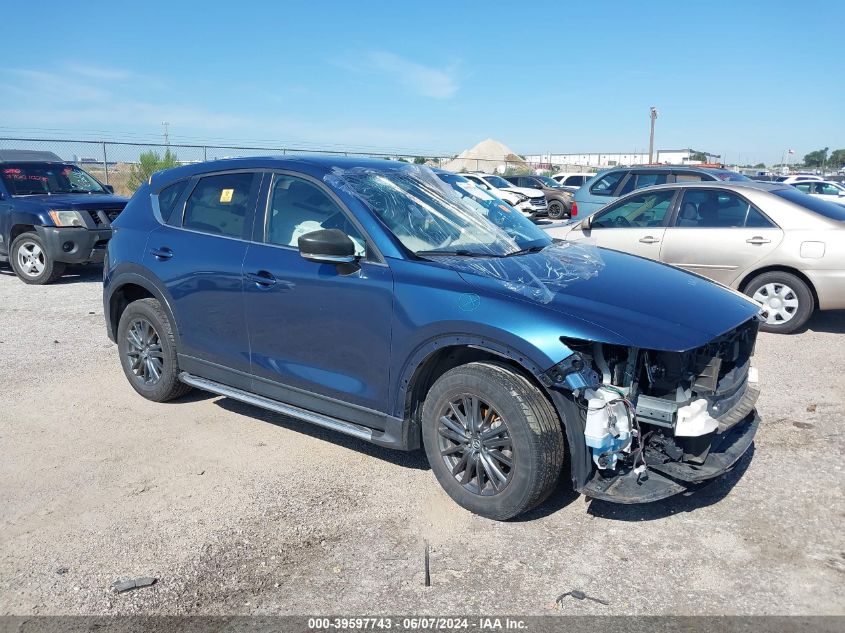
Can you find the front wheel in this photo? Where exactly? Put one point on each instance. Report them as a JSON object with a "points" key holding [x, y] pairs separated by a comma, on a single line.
{"points": [[557, 210], [31, 262], [147, 349], [786, 300], [493, 440]]}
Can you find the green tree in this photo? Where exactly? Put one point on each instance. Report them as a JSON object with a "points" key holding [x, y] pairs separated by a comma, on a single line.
{"points": [[817, 158], [699, 156], [420, 160], [149, 163], [760, 166], [837, 158]]}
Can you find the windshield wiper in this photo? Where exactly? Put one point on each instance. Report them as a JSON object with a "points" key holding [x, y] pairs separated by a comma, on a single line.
{"points": [[458, 253], [524, 251]]}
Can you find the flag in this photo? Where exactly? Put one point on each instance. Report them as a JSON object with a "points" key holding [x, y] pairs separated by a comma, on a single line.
{"points": [[792, 151]]}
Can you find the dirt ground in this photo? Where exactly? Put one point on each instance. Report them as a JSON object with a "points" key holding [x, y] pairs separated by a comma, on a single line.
{"points": [[235, 510]]}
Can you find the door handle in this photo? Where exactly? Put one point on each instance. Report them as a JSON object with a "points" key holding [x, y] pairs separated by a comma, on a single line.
{"points": [[162, 253], [648, 239], [758, 240], [262, 279]]}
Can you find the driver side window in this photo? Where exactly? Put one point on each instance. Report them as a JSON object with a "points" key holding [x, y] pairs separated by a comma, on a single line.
{"points": [[297, 207], [640, 211]]}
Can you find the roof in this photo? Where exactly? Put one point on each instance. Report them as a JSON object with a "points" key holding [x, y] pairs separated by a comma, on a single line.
{"points": [[28, 156], [316, 165], [720, 184]]}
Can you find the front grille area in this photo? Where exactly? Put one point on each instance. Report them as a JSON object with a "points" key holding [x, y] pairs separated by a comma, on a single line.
{"points": [[538, 202], [104, 217]]}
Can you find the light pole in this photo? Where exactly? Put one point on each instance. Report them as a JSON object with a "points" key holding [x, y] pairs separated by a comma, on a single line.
{"points": [[653, 117]]}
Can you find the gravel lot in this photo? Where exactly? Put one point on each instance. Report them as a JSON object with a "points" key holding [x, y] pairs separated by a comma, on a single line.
{"points": [[236, 510]]}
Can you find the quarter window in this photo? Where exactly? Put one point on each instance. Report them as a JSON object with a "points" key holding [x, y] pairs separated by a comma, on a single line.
{"points": [[605, 186], [641, 211], [298, 207], [707, 209], [169, 196], [219, 204], [688, 177]]}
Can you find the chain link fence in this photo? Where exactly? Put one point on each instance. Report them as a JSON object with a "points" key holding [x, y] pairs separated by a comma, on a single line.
{"points": [[112, 162]]}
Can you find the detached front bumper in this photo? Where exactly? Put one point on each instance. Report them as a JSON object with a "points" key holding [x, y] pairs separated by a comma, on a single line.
{"points": [[670, 478], [75, 245]]}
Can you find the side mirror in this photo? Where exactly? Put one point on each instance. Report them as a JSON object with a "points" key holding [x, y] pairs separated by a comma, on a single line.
{"points": [[108, 188], [330, 246], [586, 223]]}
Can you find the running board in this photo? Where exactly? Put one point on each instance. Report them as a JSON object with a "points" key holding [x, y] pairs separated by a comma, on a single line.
{"points": [[273, 405]]}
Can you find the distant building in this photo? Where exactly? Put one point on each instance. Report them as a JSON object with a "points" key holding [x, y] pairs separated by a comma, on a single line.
{"points": [[612, 159]]}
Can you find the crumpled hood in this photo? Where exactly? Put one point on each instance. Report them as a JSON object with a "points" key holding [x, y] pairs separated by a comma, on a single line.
{"points": [[629, 300], [79, 201]]}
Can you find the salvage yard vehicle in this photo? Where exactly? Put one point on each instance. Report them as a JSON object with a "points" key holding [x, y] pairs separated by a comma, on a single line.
{"points": [[609, 185], [530, 201], [822, 189], [781, 247], [375, 299], [52, 213], [558, 199], [572, 181]]}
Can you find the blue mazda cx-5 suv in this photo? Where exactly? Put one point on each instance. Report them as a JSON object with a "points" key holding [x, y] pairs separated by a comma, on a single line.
{"points": [[410, 309]]}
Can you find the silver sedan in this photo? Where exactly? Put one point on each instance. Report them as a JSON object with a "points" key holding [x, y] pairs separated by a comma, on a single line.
{"points": [[781, 247]]}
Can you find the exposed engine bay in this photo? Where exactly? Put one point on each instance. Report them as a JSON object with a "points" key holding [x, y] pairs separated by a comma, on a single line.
{"points": [[646, 410]]}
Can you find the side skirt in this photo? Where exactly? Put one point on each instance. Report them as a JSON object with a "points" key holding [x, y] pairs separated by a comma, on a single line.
{"points": [[392, 437]]}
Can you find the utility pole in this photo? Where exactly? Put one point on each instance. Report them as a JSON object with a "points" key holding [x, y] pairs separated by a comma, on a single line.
{"points": [[653, 116], [165, 125]]}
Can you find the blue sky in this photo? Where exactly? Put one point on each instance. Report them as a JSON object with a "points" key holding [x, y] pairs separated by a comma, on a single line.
{"points": [[742, 79]]}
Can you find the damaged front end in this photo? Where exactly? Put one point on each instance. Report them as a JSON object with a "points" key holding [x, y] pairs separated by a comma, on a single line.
{"points": [[656, 422]]}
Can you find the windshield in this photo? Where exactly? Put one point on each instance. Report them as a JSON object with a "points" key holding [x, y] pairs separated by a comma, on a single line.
{"points": [[433, 217], [549, 182], [26, 179], [830, 210], [498, 182]]}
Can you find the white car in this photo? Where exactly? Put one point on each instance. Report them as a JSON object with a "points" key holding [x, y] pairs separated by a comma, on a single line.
{"points": [[824, 189], [572, 181], [789, 180], [529, 201]]}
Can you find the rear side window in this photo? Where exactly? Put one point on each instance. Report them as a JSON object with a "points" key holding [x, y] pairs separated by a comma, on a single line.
{"points": [[604, 186], [689, 177], [638, 181], [169, 196], [219, 204], [830, 210], [711, 209], [575, 181]]}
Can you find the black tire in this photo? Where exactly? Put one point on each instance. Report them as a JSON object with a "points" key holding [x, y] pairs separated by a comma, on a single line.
{"points": [[787, 288], [31, 262], [557, 210], [137, 365], [532, 433]]}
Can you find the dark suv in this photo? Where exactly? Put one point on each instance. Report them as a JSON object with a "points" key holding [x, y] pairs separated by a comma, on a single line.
{"points": [[559, 200], [52, 213], [374, 298]]}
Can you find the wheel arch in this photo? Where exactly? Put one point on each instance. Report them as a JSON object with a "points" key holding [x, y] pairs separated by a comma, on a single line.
{"points": [[749, 277], [18, 229], [438, 356], [130, 287]]}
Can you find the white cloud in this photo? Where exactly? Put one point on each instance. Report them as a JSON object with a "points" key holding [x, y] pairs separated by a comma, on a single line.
{"points": [[428, 81]]}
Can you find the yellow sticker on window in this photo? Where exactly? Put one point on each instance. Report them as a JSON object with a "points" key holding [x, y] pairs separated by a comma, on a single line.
{"points": [[226, 195]]}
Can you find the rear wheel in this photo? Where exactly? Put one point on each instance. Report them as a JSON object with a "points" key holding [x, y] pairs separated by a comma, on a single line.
{"points": [[557, 210], [493, 440], [147, 349], [786, 300], [30, 261]]}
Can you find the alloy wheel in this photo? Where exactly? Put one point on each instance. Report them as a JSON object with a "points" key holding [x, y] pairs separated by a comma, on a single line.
{"points": [[144, 353], [475, 444], [31, 259], [779, 302]]}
